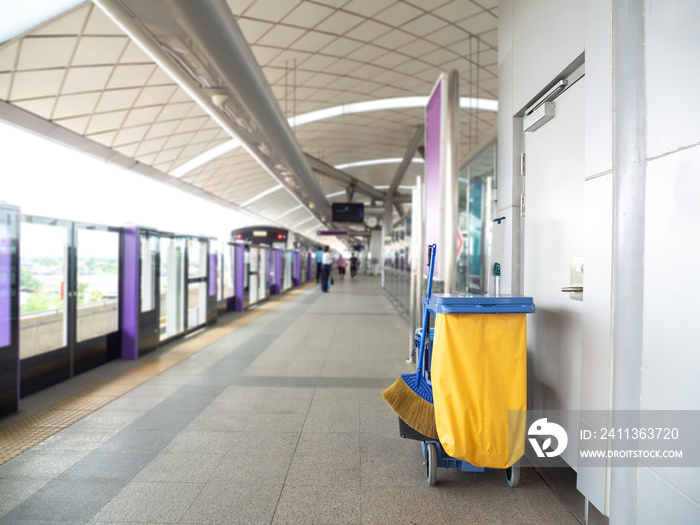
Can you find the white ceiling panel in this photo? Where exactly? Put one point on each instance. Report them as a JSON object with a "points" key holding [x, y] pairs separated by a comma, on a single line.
{"points": [[83, 79], [36, 84], [35, 54], [83, 73], [70, 23], [307, 14], [94, 50]]}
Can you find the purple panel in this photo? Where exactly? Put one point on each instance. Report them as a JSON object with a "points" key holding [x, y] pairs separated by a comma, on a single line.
{"points": [[5, 285], [212, 274], [238, 269], [130, 294], [296, 275], [308, 267], [278, 271], [433, 117]]}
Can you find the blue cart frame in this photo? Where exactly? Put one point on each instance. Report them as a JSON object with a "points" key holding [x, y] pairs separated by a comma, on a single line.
{"points": [[433, 452]]}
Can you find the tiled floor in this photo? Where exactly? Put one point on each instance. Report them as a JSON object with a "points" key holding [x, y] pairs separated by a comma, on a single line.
{"points": [[282, 421]]}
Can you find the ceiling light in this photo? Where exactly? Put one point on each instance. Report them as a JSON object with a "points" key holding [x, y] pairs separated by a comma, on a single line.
{"points": [[219, 99], [289, 211], [374, 162], [205, 157], [347, 109], [261, 195]]}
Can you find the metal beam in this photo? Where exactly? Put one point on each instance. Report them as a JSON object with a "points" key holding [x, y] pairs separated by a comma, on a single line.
{"points": [[488, 140], [341, 176], [407, 159], [209, 24], [403, 167]]}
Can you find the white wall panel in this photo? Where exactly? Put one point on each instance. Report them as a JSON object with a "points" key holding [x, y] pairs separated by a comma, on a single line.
{"points": [[599, 81], [671, 362], [672, 55], [523, 11], [659, 502], [550, 41], [505, 28], [595, 354]]}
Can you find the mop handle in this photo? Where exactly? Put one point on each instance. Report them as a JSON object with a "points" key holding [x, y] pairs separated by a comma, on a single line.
{"points": [[421, 349]]}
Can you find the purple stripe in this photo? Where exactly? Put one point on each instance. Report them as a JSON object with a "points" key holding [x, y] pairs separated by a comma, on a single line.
{"points": [[212, 274], [5, 285], [308, 267], [238, 269], [130, 295], [433, 116]]}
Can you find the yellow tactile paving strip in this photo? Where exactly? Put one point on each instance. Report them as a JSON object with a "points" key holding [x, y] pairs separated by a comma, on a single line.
{"points": [[31, 431]]}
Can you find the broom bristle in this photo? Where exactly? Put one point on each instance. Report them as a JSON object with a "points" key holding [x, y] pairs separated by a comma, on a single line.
{"points": [[418, 413]]}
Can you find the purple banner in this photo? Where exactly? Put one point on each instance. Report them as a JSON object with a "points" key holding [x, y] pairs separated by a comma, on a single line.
{"points": [[130, 294], [238, 270], [5, 284], [212, 274], [433, 125]]}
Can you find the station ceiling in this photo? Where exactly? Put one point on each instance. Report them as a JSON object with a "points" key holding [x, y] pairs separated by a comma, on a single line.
{"points": [[85, 72]]}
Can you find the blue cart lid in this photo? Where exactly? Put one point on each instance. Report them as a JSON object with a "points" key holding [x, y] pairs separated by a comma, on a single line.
{"points": [[464, 303]]}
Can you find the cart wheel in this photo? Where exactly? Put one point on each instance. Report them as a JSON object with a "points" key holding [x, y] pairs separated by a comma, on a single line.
{"points": [[513, 474], [431, 464]]}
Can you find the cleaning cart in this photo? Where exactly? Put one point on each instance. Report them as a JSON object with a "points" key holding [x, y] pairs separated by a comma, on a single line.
{"points": [[475, 360]]}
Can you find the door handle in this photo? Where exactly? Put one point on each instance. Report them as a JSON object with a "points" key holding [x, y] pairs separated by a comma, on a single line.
{"points": [[569, 289]]}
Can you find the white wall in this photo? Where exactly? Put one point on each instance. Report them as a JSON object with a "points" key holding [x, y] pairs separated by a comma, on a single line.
{"points": [[670, 358], [537, 40]]}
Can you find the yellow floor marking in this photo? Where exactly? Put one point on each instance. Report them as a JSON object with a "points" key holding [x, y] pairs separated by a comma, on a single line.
{"points": [[31, 431]]}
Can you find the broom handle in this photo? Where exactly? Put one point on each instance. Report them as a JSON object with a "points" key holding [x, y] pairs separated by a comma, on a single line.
{"points": [[421, 349]]}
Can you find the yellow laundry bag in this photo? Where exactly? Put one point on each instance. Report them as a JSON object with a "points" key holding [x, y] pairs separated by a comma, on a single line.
{"points": [[479, 377]]}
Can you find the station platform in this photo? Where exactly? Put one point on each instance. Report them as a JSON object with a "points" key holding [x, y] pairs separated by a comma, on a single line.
{"points": [[272, 416]]}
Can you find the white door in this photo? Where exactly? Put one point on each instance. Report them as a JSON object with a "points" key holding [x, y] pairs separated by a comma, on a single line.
{"points": [[553, 240]]}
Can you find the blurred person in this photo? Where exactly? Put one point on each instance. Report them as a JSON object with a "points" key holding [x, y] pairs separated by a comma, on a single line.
{"points": [[326, 270], [354, 265], [341, 266], [319, 264]]}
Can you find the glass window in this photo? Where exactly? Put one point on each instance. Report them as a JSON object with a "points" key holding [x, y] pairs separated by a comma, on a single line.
{"points": [[263, 282], [149, 251], [172, 287], [43, 282], [476, 183], [97, 283], [196, 304], [228, 271], [197, 259]]}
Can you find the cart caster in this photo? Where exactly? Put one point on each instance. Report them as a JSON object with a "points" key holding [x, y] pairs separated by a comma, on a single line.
{"points": [[513, 474], [431, 464]]}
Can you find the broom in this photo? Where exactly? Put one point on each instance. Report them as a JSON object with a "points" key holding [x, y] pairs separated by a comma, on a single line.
{"points": [[411, 397]]}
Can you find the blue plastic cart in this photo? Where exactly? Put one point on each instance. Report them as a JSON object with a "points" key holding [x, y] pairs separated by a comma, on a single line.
{"points": [[433, 453]]}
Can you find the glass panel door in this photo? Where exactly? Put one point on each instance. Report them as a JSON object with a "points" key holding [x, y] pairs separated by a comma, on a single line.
{"points": [[228, 271], [97, 283], [263, 277], [44, 287], [148, 272], [197, 282], [172, 286], [149, 294], [253, 274]]}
